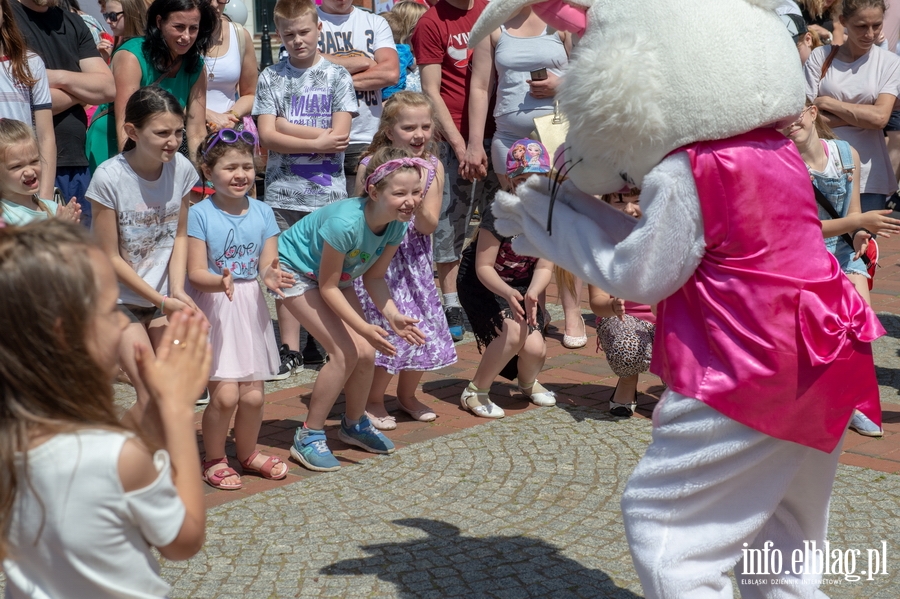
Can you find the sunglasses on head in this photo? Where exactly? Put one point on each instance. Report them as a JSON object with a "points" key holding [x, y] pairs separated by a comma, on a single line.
{"points": [[112, 17], [230, 136]]}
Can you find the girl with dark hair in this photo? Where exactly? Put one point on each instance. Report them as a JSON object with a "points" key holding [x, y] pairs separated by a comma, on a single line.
{"points": [[82, 497], [170, 55], [140, 198], [26, 93]]}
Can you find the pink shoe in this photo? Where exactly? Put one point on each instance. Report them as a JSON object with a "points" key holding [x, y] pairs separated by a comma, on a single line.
{"points": [[387, 423], [424, 415]]}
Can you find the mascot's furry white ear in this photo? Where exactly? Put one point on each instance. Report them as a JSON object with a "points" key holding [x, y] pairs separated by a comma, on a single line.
{"points": [[652, 76]]}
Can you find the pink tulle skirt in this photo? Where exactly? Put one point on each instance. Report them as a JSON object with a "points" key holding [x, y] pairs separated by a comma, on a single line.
{"points": [[241, 333]]}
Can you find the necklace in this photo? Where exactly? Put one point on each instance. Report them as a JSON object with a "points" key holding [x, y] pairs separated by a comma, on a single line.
{"points": [[210, 72]]}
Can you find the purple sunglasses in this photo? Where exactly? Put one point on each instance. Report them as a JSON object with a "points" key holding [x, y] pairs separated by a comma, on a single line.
{"points": [[230, 136]]}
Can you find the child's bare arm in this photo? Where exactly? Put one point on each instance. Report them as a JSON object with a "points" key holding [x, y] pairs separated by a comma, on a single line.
{"points": [[270, 269], [430, 208], [328, 141], [486, 250], [106, 231], [604, 305], [330, 270], [539, 282], [340, 122], [282, 125], [373, 279], [178, 263], [198, 271]]}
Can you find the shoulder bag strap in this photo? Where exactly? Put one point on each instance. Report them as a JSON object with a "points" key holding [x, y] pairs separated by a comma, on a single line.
{"points": [[829, 208], [239, 34]]}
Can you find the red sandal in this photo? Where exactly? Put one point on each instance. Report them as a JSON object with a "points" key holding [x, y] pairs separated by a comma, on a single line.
{"points": [[215, 478], [265, 470]]}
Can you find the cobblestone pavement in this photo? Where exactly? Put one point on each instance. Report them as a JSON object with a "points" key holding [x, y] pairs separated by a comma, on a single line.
{"points": [[519, 508]]}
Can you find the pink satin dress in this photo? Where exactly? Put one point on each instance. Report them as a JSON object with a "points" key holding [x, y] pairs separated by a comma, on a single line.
{"points": [[767, 331]]}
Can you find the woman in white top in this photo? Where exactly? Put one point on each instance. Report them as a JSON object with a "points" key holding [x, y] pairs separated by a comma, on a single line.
{"points": [[232, 70], [856, 94]]}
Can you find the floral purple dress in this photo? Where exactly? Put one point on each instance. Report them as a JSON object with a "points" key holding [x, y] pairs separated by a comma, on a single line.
{"points": [[410, 279]]}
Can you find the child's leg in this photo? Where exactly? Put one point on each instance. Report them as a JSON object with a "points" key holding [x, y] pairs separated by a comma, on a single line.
{"points": [[862, 286], [694, 503], [375, 402], [500, 351], [571, 305], [288, 326], [247, 421], [531, 359], [326, 326], [356, 389], [628, 345], [141, 416], [407, 386], [223, 399]]}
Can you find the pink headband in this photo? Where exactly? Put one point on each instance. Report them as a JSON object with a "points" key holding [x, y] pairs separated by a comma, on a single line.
{"points": [[391, 165]]}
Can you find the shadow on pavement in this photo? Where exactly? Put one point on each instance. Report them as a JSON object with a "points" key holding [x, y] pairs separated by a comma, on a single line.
{"points": [[448, 564], [891, 323]]}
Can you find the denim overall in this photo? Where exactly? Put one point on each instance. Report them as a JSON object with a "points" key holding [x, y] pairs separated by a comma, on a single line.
{"points": [[838, 191]]}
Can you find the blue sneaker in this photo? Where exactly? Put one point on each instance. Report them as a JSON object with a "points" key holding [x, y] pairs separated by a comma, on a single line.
{"points": [[311, 450], [364, 435], [454, 315]]}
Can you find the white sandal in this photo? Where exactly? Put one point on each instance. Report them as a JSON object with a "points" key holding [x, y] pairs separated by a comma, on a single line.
{"points": [[539, 395], [479, 403]]}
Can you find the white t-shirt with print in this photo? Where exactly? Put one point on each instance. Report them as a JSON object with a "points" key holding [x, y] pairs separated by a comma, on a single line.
{"points": [[364, 32], [17, 101], [147, 217], [305, 182]]}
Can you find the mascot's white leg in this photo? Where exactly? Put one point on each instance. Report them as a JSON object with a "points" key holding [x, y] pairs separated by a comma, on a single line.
{"points": [[708, 490]]}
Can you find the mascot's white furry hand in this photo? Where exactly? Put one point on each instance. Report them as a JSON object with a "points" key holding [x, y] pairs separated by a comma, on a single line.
{"points": [[643, 261]]}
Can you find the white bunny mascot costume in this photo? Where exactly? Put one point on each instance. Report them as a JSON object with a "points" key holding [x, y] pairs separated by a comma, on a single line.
{"points": [[763, 343]]}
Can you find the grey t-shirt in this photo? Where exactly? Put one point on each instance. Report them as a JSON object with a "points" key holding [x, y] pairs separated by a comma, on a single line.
{"points": [[305, 182]]}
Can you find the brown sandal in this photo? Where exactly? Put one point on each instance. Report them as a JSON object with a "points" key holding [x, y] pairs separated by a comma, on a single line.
{"points": [[215, 478], [265, 470]]}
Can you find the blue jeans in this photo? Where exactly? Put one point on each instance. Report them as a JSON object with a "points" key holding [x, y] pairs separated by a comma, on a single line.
{"points": [[73, 181], [872, 201]]}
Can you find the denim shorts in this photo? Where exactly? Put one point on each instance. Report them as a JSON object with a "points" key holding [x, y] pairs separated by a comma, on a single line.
{"points": [[302, 284], [893, 123]]}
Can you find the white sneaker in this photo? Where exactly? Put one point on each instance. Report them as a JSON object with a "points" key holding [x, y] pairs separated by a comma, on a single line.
{"points": [[864, 426], [479, 403], [540, 395]]}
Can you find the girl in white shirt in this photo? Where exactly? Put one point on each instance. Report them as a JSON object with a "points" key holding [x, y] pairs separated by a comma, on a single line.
{"points": [[139, 200], [82, 497]]}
